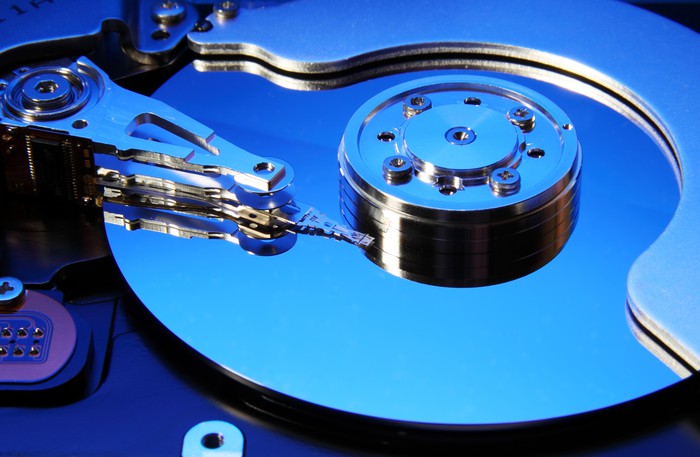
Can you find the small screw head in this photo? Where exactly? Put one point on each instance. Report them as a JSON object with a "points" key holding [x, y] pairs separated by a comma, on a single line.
{"points": [[523, 117], [226, 9], [168, 11], [3, 351], [18, 351], [34, 351], [22, 332], [11, 292], [38, 332], [504, 181], [416, 104], [397, 169], [6, 332]]}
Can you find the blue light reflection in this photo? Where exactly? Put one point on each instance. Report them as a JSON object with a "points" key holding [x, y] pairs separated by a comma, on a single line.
{"points": [[323, 324]]}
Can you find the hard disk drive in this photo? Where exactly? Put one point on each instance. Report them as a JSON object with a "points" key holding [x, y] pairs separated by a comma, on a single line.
{"points": [[269, 227]]}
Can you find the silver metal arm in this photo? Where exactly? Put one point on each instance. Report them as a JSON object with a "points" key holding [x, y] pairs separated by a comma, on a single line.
{"points": [[140, 191], [144, 158]]}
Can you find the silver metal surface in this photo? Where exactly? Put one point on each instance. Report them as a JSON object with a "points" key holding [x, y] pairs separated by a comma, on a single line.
{"points": [[45, 94], [178, 157], [347, 335], [41, 30], [476, 210], [505, 182], [613, 64], [623, 67], [110, 117], [213, 439]]}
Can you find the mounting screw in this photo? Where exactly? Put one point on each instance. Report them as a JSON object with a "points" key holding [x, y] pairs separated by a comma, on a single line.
{"points": [[397, 170], [168, 12], [523, 117], [504, 181], [226, 9], [11, 292], [415, 104]]}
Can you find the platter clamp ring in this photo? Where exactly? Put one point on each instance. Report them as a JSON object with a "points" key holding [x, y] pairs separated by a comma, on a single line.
{"points": [[462, 181]]}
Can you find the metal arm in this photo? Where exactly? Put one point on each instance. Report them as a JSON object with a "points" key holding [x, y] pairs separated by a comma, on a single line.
{"points": [[72, 133]]}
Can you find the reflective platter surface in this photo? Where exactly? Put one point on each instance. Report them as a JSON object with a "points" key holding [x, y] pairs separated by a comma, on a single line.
{"points": [[323, 324]]}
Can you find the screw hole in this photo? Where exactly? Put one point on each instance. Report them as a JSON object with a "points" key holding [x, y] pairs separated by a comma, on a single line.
{"points": [[472, 101], [447, 190], [203, 26], [567, 126], [213, 440], [160, 34], [536, 153], [417, 101], [80, 124], [460, 135], [397, 162], [386, 137], [263, 167]]}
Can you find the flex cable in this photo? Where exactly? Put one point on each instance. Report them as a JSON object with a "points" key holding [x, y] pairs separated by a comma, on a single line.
{"points": [[214, 203]]}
